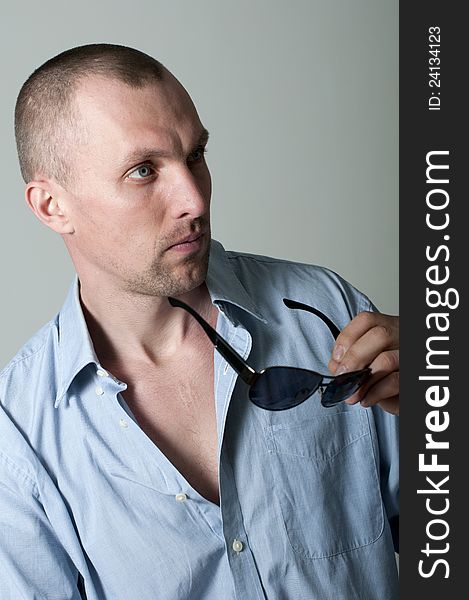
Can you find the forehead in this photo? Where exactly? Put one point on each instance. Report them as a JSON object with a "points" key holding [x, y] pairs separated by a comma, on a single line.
{"points": [[116, 115]]}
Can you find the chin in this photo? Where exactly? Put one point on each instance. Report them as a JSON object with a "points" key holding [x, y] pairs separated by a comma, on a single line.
{"points": [[166, 281], [189, 281]]}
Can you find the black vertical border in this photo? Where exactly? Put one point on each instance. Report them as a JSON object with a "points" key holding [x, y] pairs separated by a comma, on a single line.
{"points": [[422, 131]]}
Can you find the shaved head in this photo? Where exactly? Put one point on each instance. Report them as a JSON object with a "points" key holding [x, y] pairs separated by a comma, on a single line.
{"points": [[47, 122]]}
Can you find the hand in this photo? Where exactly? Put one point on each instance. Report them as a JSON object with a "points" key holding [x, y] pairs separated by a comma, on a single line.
{"points": [[371, 340]]}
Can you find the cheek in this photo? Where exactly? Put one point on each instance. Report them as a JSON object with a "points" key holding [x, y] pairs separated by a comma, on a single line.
{"points": [[140, 230], [104, 230], [115, 220]]}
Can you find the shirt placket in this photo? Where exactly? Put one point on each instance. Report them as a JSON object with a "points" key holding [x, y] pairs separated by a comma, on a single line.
{"points": [[154, 470], [246, 579]]}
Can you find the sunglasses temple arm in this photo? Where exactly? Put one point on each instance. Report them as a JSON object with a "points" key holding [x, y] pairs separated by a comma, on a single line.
{"points": [[300, 306], [247, 373]]}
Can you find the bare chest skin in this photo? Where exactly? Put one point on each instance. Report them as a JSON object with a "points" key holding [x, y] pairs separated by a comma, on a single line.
{"points": [[175, 406]]}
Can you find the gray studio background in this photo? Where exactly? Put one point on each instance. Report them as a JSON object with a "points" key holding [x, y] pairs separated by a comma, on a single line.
{"points": [[301, 99]]}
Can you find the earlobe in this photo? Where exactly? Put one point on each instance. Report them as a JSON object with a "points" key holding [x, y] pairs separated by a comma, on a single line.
{"points": [[46, 204]]}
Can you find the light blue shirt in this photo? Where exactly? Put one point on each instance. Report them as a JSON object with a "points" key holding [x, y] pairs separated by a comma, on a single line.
{"points": [[306, 494]]}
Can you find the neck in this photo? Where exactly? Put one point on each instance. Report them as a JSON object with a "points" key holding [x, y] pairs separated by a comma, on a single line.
{"points": [[134, 328]]}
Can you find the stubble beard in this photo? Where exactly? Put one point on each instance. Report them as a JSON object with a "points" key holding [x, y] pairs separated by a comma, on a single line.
{"points": [[168, 280]]}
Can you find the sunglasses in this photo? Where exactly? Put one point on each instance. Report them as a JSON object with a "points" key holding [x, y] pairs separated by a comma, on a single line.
{"points": [[280, 388]]}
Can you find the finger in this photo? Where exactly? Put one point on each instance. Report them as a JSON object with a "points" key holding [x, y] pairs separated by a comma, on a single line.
{"points": [[387, 387], [390, 405], [363, 351], [358, 326], [383, 365]]}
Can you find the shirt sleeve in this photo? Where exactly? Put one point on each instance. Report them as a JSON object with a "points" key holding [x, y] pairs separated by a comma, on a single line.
{"points": [[387, 428], [33, 564]]}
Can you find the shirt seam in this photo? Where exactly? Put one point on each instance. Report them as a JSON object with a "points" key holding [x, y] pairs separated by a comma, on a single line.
{"points": [[364, 303], [12, 364], [235, 255], [18, 471]]}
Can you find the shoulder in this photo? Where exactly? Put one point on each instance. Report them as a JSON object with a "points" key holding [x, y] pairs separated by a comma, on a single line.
{"points": [[33, 346], [30, 369], [265, 277]]}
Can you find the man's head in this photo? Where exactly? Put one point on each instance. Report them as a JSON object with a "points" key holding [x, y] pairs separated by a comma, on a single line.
{"points": [[46, 121], [112, 151]]}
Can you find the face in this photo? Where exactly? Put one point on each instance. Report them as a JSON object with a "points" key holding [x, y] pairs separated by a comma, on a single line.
{"points": [[140, 198]]}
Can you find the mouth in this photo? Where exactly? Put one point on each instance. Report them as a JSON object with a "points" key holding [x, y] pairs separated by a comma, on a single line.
{"points": [[189, 243]]}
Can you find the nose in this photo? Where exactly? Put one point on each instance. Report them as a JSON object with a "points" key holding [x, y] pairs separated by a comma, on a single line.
{"points": [[190, 196]]}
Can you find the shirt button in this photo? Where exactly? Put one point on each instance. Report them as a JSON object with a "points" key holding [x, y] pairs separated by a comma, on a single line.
{"points": [[237, 546], [102, 373], [99, 391], [123, 423], [181, 497]]}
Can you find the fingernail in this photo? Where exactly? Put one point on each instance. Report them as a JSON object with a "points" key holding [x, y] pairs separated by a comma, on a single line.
{"points": [[341, 369], [338, 352]]}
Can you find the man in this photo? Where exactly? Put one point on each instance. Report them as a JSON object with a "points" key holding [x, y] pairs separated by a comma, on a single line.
{"points": [[133, 464]]}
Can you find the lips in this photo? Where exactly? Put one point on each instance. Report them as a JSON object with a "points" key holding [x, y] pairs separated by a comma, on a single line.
{"points": [[187, 240]]}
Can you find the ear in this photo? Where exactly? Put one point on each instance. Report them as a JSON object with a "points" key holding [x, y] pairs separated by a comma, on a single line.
{"points": [[48, 201]]}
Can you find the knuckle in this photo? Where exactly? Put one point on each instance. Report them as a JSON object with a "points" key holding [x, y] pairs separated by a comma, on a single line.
{"points": [[390, 361], [382, 332], [394, 382], [351, 358], [366, 318], [396, 329]]}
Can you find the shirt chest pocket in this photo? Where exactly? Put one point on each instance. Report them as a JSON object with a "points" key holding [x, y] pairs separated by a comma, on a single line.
{"points": [[326, 485]]}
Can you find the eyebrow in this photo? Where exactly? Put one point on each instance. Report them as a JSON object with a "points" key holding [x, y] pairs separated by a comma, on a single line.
{"points": [[145, 153]]}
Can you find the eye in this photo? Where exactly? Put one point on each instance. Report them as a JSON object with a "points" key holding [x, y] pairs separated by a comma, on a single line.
{"points": [[141, 172], [197, 155]]}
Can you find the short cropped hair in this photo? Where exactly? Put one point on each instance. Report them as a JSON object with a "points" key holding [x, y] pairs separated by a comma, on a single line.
{"points": [[46, 123]]}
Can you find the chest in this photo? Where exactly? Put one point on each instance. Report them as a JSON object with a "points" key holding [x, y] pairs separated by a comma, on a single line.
{"points": [[175, 407]]}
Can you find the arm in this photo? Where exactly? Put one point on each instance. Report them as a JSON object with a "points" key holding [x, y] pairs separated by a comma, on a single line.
{"points": [[387, 429], [33, 563], [372, 338]]}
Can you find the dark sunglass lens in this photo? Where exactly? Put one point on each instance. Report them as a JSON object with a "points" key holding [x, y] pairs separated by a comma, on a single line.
{"points": [[279, 388], [343, 386]]}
